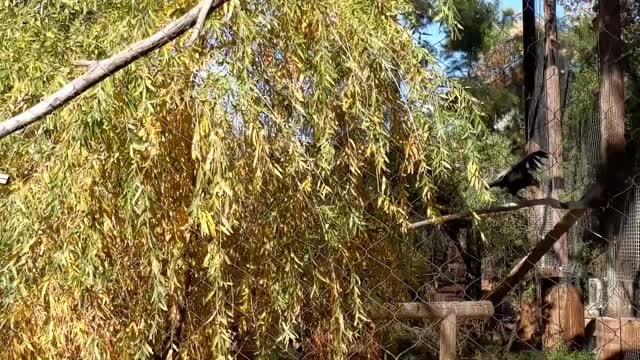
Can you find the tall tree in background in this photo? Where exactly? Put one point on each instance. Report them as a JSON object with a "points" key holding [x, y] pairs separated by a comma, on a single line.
{"points": [[612, 132], [561, 319], [487, 57], [528, 65], [553, 117]]}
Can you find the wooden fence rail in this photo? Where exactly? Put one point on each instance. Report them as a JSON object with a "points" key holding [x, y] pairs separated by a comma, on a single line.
{"points": [[448, 312]]}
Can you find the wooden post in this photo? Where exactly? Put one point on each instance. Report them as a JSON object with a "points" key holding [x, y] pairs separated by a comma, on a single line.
{"points": [[448, 336], [448, 312]]}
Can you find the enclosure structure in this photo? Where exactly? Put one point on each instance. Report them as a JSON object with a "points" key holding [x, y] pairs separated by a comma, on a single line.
{"points": [[604, 250], [447, 313]]}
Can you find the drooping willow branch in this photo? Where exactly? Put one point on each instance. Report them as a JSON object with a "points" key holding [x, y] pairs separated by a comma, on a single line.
{"points": [[586, 202], [100, 70]]}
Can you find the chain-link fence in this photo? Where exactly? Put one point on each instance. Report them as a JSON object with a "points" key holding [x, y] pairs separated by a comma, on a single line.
{"points": [[600, 262]]}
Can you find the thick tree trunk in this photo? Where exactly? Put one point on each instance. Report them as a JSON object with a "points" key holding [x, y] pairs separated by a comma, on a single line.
{"points": [[564, 321], [612, 144], [611, 79], [553, 117], [529, 63]]}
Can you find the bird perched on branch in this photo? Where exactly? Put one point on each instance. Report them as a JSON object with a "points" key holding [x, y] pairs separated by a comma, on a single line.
{"points": [[521, 174]]}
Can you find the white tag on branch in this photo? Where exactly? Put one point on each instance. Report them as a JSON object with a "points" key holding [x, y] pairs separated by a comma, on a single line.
{"points": [[4, 179]]}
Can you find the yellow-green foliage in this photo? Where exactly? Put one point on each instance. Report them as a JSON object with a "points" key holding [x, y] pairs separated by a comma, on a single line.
{"points": [[244, 210]]}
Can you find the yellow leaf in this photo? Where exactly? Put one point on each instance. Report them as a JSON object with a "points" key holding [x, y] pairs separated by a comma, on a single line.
{"points": [[23, 290]]}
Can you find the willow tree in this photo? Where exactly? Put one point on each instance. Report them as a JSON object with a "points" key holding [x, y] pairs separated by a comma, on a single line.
{"points": [[232, 197]]}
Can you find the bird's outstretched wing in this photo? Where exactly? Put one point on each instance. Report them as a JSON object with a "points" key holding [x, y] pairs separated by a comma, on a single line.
{"points": [[530, 162], [527, 164]]}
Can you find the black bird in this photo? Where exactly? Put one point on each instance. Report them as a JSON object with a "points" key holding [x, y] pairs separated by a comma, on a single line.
{"points": [[521, 174]]}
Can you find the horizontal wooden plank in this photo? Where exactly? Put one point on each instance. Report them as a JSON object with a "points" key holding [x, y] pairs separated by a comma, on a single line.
{"points": [[433, 311], [452, 288]]}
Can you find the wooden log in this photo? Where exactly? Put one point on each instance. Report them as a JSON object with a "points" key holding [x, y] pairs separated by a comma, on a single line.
{"points": [[564, 316], [432, 311], [448, 336]]}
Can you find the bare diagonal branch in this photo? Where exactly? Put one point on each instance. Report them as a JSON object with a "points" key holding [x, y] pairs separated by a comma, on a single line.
{"points": [[493, 210], [205, 6], [526, 264], [103, 70]]}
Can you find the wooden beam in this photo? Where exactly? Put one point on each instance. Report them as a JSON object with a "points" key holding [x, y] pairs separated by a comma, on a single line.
{"points": [[526, 264], [432, 311]]}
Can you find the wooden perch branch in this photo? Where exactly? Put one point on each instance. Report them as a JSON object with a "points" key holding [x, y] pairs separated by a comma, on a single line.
{"points": [[105, 68], [499, 209]]}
